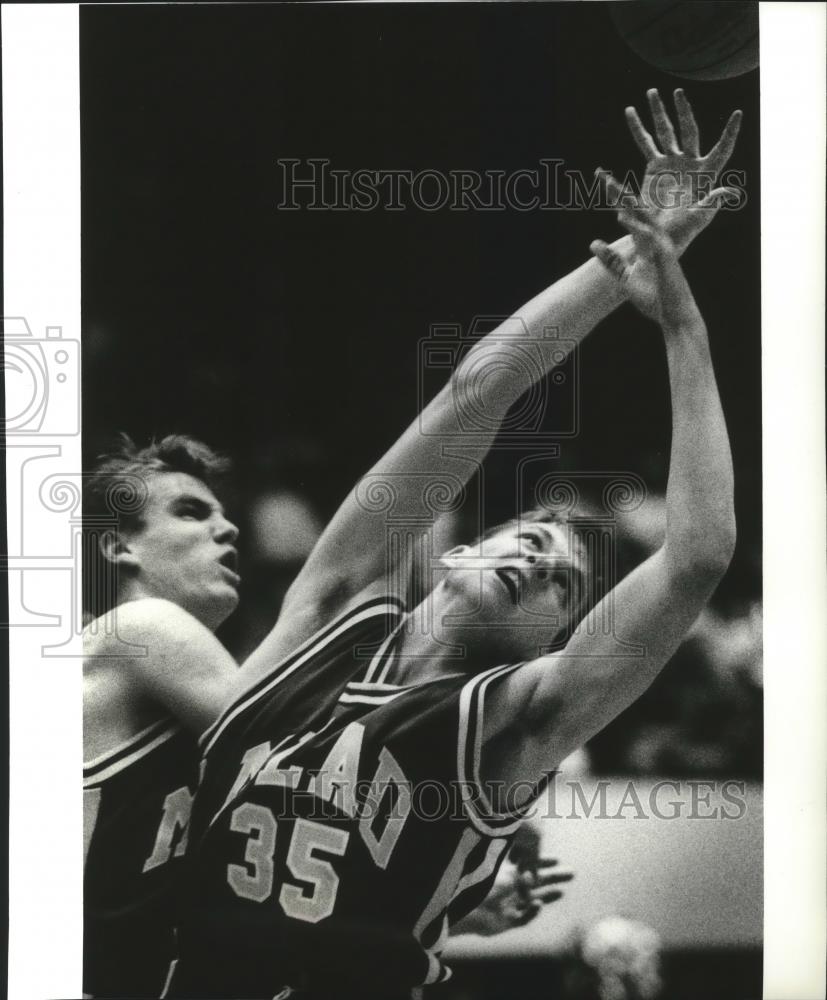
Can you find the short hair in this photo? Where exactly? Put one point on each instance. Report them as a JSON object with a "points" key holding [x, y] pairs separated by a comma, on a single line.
{"points": [[588, 582], [114, 494]]}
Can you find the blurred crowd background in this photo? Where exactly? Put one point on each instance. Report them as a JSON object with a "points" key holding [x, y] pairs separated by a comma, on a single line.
{"points": [[291, 340]]}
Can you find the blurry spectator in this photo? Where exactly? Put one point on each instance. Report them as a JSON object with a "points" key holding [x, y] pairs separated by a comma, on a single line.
{"points": [[281, 527], [703, 716], [614, 959]]}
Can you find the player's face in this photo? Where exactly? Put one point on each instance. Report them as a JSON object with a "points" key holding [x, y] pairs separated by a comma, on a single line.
{"points": [[517, 583], [184, 549]]}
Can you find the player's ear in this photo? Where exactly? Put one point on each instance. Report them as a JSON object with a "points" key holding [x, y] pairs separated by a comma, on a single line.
{"points": [[453, 557], [115, 549]]}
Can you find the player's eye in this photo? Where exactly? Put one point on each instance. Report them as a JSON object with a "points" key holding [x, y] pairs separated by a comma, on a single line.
{"points": [[531, 538], [192, 511]]}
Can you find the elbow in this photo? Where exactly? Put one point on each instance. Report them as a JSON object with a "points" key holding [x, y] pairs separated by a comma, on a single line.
{"points": [[713, 564], [705, 556]]}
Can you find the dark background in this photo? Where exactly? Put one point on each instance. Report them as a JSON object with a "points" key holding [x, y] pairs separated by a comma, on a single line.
{"points": [[290, 340], [207, 310]]}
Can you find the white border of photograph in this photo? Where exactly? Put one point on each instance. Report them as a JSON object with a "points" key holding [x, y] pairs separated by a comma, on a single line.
{"points": [[41, 251]]}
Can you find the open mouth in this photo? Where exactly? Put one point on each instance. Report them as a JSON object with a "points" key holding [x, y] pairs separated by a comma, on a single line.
{"points": [[511, 581], [229, 560]]}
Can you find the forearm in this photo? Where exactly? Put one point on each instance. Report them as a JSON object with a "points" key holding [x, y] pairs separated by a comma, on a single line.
{"points": [[699, 498], [558, 319]]}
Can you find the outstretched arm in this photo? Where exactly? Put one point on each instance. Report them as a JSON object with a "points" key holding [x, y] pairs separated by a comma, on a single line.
{"points": [[558, 702], [351, 554]]}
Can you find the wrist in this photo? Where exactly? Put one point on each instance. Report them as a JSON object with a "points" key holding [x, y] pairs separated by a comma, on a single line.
{"points": [[684, 325]]}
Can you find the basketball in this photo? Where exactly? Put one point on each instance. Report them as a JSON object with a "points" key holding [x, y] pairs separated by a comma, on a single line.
{"points": [[693, 39]]}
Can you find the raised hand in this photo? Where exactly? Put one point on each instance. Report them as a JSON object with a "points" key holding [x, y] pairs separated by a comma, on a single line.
{"points": [[651, 277], [679, 183]]}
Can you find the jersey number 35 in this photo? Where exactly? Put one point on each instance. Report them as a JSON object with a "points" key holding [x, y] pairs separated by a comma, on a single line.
{"points": [[254, 879]]}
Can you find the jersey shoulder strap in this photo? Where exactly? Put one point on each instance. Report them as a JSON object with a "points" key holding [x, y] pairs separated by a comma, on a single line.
{"points": [[478, 805], [347, 625], [114, 761]]}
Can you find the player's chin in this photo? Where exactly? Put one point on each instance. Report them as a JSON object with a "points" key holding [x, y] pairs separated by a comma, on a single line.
{"points": [[225, 601]]}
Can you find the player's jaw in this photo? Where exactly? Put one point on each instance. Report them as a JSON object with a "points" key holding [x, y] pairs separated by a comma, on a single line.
{"points": [[500, 609], [204, 582]]}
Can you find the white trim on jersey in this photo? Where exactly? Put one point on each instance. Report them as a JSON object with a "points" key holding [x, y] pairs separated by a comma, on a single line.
{"points": [[377, 687], [437, 906], [120, 758], [478, 807], [495, 851], [170, 974], [372, 693], [376, 662], [381, 663], [312, 647], [366, 699], [91, 807]]}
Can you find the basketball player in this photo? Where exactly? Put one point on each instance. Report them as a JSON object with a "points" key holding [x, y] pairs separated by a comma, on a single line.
{"points": [[361, 789], [154, 678]]}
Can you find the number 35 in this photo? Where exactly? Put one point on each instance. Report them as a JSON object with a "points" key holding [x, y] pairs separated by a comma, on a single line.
{"points": [[254, 880]]}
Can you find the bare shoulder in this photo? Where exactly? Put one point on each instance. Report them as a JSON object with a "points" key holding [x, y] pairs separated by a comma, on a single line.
{"points": [[115, 708], [149, 660], [150, 618]]}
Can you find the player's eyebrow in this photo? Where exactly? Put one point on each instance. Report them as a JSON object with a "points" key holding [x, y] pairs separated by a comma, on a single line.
{"points": [[190, 499], [538, 530]]}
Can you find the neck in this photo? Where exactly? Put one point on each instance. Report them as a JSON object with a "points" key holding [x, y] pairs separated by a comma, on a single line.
{"points": [[134, 590], [425, 653]]}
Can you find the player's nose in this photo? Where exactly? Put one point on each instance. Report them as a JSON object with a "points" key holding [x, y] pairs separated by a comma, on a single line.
{"points": [[225, 531], [539, 564]]}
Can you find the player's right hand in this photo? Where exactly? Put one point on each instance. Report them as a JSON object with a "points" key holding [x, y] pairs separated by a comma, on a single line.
{"points": [[652, 278]]}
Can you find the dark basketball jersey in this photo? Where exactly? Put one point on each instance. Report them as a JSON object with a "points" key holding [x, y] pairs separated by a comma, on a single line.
{"points": [[138, 798], [340, 826]]}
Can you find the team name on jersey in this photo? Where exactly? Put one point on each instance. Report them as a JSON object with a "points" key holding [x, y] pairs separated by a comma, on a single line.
{"points": [[171, 838]]}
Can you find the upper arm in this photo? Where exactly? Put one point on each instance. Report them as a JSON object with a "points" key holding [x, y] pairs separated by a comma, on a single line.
{"points": [[372, 537], [172, 659], [558, 702]]}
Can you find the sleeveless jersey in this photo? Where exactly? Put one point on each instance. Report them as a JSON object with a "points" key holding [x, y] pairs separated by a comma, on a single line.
{"points": [[137, 799], [333, 843]]}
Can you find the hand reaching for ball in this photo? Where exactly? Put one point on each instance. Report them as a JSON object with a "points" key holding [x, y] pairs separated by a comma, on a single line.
{"points": [[679, 182]]}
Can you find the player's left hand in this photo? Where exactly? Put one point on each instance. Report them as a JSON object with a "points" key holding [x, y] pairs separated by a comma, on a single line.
{"points": [[518, 895], [652, 278], [679, 182]]}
